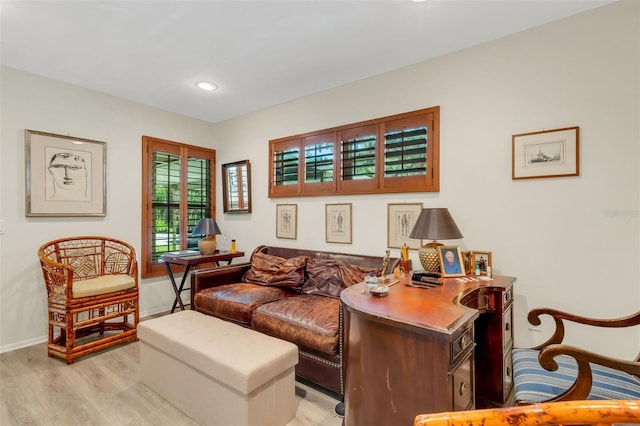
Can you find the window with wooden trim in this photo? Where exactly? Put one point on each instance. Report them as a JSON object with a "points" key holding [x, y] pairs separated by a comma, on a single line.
{"points": [[398, 153], [178, 188]]}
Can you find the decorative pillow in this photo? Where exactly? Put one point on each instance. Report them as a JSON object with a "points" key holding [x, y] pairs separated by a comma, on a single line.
{"points": [[328, 277], [277, 271]]}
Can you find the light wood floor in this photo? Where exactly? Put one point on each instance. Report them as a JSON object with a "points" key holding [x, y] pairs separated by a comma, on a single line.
{"points": [[105, 389]]}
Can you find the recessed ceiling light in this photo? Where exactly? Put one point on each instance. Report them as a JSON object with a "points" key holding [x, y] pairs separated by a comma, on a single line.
{"points": [[206, 85]]}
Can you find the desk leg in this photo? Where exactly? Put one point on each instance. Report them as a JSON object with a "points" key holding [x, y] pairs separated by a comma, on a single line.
{"points": [[176, 290]]}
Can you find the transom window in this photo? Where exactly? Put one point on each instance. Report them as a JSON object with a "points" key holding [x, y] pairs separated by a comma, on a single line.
{"points": [[398, 153]]}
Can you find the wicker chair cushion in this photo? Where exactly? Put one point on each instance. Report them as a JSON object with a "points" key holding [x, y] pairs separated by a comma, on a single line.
{"points": [[534, 384], [102, 285]]}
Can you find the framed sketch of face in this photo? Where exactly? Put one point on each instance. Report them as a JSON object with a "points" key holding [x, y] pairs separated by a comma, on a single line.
{"points": [[65, 175]]}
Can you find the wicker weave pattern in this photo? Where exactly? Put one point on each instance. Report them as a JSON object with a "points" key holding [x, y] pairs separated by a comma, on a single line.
{"points": [[69, 260]]}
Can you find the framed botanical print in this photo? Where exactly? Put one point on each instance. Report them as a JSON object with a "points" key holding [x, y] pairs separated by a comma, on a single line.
{"points": [[400, 221], [338, 223], [287, 221]]}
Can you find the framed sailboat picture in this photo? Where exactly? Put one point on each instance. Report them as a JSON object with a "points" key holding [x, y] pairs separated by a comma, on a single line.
{"points": [[548, 153]]}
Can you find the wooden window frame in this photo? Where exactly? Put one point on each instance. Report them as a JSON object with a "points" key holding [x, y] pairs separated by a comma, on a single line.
{"points": [[149, 146], [379, 184]]}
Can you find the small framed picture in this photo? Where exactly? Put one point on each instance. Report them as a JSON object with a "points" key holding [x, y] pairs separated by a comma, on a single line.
{"points": [[483, 260], [451, 261], [400, 221], [338, 223], [549, 153], [468, 262], [287, 221]]}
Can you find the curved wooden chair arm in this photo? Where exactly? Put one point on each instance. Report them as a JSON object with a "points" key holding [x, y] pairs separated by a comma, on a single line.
{"points": [[582, 386], [601, 412], [560, 316]]}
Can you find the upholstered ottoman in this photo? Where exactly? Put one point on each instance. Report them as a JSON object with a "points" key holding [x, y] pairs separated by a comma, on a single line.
{"points": [[216, 372]]}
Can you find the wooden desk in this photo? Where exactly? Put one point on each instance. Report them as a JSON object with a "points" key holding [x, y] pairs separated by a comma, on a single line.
{"points": [[419, 351], [188, 260]]}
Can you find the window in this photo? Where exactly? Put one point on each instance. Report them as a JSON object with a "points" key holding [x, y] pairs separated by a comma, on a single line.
{"points": [[178, 188], [391, 154]]}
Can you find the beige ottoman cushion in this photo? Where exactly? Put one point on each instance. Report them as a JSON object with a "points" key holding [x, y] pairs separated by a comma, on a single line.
{"points": [[218, 372]]}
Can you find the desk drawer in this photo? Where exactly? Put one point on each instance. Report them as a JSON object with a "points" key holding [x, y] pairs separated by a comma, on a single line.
{"points": [[507, 329], [460, 343], [507, 297], [462, 386]]}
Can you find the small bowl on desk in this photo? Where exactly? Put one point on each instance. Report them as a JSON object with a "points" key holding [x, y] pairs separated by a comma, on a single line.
{"points": [[380, 291]]}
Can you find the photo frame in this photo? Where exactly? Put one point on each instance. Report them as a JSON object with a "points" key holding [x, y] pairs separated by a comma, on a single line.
{"points": [[482, 258], [400, 221], [64, 175], [287, 221], [468, 262], [548, 153], [451, 261], [338, 223]]}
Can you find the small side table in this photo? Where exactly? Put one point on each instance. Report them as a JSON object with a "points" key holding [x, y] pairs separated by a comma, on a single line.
{"points": [[188, 259]]}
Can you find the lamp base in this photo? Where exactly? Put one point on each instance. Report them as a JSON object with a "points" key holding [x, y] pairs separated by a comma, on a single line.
{"points": [[429, 257], [207, 245]]}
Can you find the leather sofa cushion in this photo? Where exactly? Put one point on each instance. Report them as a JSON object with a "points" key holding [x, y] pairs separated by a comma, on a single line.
{"points": [[309, 321], [330, 276], [235, 302], [269, 270]]}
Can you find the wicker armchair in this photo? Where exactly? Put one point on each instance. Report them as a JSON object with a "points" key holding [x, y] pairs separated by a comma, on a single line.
{"points": [[553, 371], [92, 294], [549, 413]]}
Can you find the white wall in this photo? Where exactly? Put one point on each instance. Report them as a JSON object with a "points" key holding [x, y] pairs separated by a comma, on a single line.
{"points": [[573, 243], [31, 102]]}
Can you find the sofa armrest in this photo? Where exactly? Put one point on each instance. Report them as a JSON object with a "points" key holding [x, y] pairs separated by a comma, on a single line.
{"points": [[213, 277]]}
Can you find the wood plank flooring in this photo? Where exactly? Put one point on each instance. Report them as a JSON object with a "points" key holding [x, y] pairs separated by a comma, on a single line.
{"points": [[105, 389]]}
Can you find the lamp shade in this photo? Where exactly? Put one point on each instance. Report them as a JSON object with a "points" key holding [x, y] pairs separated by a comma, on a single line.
{"points": [[435, 224], [206, 226]]}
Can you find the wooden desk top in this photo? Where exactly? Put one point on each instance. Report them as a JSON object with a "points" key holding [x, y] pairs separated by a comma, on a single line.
{"points": [[436, 308], [197, 258]]}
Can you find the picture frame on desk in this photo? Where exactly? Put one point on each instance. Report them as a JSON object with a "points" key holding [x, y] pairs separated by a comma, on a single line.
{"points": [[483, 259], [451, 261]]}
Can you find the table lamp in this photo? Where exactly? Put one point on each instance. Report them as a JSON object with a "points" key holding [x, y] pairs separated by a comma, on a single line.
{"points": [[207, 226], [433, 224]]}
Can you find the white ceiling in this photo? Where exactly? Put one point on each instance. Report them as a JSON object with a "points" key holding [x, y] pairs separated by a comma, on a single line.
{"points": [[260, 53]]}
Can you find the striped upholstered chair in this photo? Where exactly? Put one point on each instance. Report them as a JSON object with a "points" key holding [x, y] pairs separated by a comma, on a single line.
{"points": [[555, 372]]}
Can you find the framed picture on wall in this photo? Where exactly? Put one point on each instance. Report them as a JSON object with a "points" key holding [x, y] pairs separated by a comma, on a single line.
{"points": [[549, 153], [65, 175], [400, 221], [338, 223], [287, 221]]}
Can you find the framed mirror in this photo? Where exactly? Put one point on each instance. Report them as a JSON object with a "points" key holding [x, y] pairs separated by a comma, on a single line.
{"points": [[236, 187]]}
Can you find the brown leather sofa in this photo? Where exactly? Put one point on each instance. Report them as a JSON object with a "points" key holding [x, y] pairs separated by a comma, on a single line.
{"points": [[291, 294]]}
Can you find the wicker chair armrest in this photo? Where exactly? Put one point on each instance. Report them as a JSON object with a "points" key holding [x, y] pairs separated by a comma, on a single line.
{"points": [[582, 386], [560, 316]]}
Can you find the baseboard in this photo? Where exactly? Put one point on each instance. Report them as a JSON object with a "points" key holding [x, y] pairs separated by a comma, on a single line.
{"points": [[42, 339]]}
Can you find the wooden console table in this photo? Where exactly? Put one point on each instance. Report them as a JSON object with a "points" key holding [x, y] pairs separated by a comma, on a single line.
{"points": [[418, 351], [189, 259]]}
